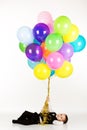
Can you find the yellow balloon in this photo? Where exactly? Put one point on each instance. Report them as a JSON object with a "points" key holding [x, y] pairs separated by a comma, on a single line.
{"points": [[65, 71], [42, 71], [72, 34]]}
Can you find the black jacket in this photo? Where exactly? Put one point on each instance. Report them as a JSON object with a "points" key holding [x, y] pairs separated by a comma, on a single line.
{"points": [[28, 118]]}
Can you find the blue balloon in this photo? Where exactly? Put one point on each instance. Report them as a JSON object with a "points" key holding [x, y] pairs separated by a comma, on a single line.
{"points": [[25, 35], [79, 44], [52, 73], [36, 42], [32, 64]]}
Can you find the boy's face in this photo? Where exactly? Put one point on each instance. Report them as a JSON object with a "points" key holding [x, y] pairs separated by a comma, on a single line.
{"points": [[61, 117]]}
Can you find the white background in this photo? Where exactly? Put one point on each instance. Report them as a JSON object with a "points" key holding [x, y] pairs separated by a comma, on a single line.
{"points": [[19, 89]]}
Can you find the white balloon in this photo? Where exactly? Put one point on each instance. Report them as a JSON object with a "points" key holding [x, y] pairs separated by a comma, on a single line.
{"points": [[25, 35]]}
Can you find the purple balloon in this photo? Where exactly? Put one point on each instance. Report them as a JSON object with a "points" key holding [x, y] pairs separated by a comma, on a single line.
{"points": [[66, 50], [68, 59], [41, 31], [34, 52]]}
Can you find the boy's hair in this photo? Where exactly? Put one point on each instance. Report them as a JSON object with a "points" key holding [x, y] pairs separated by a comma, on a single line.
{"points": [[66, 120]]}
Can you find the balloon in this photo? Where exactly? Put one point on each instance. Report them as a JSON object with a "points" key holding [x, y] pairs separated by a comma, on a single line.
{"points": [[68, 59], [46, 52], [72, 34], [62, 25], [32, 64], [51, 28], [42, 71], [34, 52], [65, 71], [52, 73], [25, 35], [22, 46], [54, 42], [66, 50], [40, 31], [50, 45], [79, 44], [36, 42], [55, 60], [45, 17]]}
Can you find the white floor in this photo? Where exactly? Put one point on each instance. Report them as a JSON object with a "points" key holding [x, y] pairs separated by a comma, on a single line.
{"points": [[76, 122]]}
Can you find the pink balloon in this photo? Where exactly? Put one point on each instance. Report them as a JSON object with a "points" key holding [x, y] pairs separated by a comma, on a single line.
{"points": [[45, 17], [51, 27], [55, 60]]}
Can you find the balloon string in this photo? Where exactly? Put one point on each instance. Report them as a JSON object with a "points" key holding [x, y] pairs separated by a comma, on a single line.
{"points": [[45, 108], [48, 87]]}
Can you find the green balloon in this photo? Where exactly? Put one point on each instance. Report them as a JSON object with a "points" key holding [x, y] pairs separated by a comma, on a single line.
{"points": [[54, 42], [62, 25], [22, 46]]}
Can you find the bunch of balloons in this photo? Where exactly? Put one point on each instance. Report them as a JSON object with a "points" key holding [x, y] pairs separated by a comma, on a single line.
{"points": [[50, 45]]}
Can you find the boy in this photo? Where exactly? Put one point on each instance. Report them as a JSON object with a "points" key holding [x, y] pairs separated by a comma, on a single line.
{"points": [[29, 118]]}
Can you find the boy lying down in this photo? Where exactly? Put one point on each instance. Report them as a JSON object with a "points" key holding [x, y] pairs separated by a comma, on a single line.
{"points": [[30, 118]]}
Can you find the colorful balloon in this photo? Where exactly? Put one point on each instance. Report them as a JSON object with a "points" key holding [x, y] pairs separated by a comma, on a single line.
{"points": [[22, 46], [42, 71], [79, 44], [68, 59], [72, 34], [62, 25], [67, 51], [52, 73], [54, 42], [25, 35], [50, 45], [32, 64], [34, 52], [65, 71], [54, 60], [46, 52], [41, 31], [36, 42], [45, 17]]}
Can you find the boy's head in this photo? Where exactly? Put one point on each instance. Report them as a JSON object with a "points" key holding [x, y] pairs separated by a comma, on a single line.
{"points": [[62, 117]]}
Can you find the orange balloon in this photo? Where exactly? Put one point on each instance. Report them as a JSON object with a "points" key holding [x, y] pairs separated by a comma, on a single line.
{"points": [[46, 52]]}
